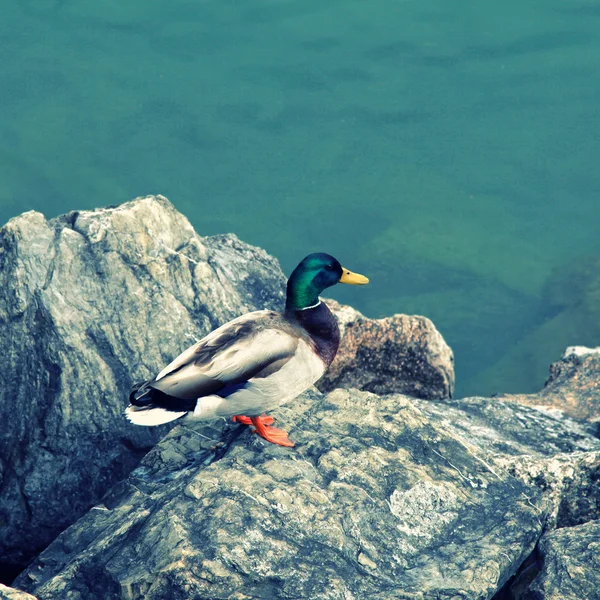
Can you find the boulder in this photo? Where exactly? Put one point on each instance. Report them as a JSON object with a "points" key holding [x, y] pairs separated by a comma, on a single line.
{"points": [[399, 354], [383, 497], [89, 303], [573, 386], [571, 564], [8, 593]]}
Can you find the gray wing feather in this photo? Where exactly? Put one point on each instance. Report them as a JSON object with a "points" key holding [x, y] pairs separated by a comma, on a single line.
{"points": [[250, 346]]}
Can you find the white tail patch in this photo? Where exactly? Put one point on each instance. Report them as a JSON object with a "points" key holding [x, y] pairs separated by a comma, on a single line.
{"points": [[152, 416]]}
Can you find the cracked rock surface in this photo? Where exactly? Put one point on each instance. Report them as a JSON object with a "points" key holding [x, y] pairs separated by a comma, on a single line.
{"points": [[383, 497], [89, 303], [571, 565]]}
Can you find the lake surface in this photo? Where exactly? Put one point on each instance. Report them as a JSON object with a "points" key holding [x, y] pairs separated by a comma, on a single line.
{"points": [[448, 150]]}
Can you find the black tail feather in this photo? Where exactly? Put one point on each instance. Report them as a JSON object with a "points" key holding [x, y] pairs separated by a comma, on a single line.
{"points": [[141, 394], [145, 396]]}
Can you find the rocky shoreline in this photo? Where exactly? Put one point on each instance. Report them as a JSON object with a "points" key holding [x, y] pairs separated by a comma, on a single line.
{"points": [[395, 490]]}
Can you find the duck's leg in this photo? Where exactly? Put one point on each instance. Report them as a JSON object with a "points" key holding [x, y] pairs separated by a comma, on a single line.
{"points": [[248, 421], [271, 434], [262, 427]]}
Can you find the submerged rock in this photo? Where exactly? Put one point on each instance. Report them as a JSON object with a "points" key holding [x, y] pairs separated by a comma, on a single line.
{"points": [[383, 497], [568, 313], [89, 303], [399, 354]]}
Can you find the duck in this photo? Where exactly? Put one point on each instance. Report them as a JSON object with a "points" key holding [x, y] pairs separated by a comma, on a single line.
{"points": [[254, 363]]}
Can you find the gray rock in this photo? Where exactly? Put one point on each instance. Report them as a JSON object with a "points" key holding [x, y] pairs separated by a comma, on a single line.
{"points": [[8, 593], [383, 497], [573, 385], [571, 483], [571, 564], [506, 428], [540, 447], [399, 354], [89, 303]]}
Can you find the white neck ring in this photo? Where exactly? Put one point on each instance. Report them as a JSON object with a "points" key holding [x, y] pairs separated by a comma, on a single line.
{"points": [[313, 306]]}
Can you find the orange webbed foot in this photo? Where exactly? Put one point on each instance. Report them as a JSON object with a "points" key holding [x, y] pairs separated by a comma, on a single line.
{"points": [[272, 434], [265, 419]]}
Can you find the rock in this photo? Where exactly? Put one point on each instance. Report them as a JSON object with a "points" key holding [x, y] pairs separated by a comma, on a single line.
{"points": [[89, 303], [7, 593], [541, 448], [580, 351], [398, 354], [383, 497], [571, 564], [573, 386], [571, 482], [507, 429]]}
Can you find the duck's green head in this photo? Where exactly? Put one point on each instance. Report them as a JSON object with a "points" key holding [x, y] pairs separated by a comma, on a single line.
{"points": [[315, 273]]}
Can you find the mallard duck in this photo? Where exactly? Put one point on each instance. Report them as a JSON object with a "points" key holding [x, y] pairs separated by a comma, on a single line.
{"points": [[254, 363]]}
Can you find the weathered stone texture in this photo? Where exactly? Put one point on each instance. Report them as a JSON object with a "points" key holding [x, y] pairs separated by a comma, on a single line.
{"points": [[573, 386], [92, 301], [571, 565], [8, 593], [413, 496], [399, 354], [383, 497], [89, 303]]}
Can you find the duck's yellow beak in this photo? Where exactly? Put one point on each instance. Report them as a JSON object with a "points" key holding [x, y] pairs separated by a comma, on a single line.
{"points": [[352, 278]]}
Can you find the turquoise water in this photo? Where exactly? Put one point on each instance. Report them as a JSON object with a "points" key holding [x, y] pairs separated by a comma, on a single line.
{"points": [[449, 150]]}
